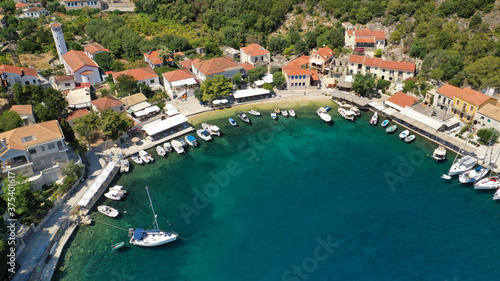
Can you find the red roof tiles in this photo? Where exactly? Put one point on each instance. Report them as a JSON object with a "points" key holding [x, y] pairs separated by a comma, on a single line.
{"points": [[255, 50], [402, 99], [392, 65], [94, 48], [177, 75], [77, 114], [139, 74], [105, 103], [23, 71], [216, 65], [78, 59]]}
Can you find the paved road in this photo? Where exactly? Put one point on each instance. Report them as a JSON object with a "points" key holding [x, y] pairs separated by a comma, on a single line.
{"points": [[38, 242]]}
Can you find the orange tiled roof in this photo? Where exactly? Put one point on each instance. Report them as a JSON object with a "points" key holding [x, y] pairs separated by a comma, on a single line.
{"points": [[356, 59], [40, 132], [302, 60], [255, 50], [64, 78], [365, 40], [402, 99], [379, 35], [491, 111], [325, 52], [472, 96], [77, 114], [93, 48], [350, 31], [78, 59], [154, 59], [372, 61], [22, 108], [247, 66], [105, 103], [21, 5], [5, 68], [216, 65], [177, 75], [448, 90], [186, 63], [296, 71], [139, 74], [314, 75], [54, 24], [393, 65]]}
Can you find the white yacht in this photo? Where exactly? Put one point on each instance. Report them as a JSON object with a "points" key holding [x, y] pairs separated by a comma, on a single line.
{"points": [[254, 112], [108, 211], [212, 129], [146, 157], [497, 195], [119, 189], [204, 135], [161, 151], [374, 119], [323, 115], [137, 159], [473, 175], [488, 183], [347, 114], [292, 113], [183, 142], [178, 146], [462, 165], [152, 237], [167, 146], [114, 195], [439, 153], [124, 166]]}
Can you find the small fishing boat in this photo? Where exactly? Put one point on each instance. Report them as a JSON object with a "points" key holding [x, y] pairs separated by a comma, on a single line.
{"points": [[473, 175], [327, 108], [191, 140], [254, 112], [232, 122], [117, 245], [161, 151], [404, 134], [108, 211], [284, 112], [497, 195], [274, 116], [178, 147], [277, 110], [292, 113], [146, 157], [244, 117], [488, 183], [410, 138], [137, 159], [439, 153], [212, 129], [391, 129], [118, 188], [356, 111], [347, 114], [323, 115], [204, 135], [374, 119], [183, 142], [114, 195], [385, 123], [167, 146], [462, 165], [124, 166]]}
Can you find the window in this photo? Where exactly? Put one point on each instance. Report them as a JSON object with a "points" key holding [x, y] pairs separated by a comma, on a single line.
{"points": [[439, 97], [471, 108], [376, 68], [489, 120], [408, 73], [400, 73], [296, 77], [152, 81], [482, 117], [291, 77], [458, 102], [34, 81], [51, 146], [27, 82], [43, 148], [28, 138], [383, 70], [468, 118], [32, 151], [67, 84]]}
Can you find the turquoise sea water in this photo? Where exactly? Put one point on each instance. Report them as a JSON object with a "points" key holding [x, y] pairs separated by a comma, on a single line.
{"points": [[297, 200]]}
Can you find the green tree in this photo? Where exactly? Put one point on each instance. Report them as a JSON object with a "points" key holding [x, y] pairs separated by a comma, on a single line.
{"points": [[383, 85], [22, 192], [449, 62], [378, 53], [216, 87], [198, 93], [69, 134], [48, 104], [112, 123], [256, 73], [488, 136], [300, 47], [310, 39], [126, 85], [237, 79], [10, 120], [73, 169], [484, 72], [278, 79], [409, 85], [268, 87], [363, 84], [87, 125], [4, 251], [105, 61]]}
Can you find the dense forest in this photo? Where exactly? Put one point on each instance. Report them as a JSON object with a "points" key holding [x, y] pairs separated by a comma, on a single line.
{"points": [[452, 38]]}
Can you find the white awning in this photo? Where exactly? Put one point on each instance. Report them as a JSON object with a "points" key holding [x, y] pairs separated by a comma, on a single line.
{"points": [[147, 111], [172, 112], [140, 106], [96, 185], [250, 93], [158, 126], [259, 83], [268, 78], [422, 118], [393, 105], [316, 61], [189, 81]]}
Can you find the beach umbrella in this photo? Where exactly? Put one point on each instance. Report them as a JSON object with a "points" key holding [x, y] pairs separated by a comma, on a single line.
{"points": [[224, 101], [216, 102]]}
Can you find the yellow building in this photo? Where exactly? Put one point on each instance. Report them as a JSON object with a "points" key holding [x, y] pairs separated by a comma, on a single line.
{"points": [[466, 102]]}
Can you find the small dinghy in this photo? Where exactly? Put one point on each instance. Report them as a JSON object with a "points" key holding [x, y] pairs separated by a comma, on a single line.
{"points": [[292, 113], [356, 111], [410, 138], [137, 159], [374, 119], [274, 116], [167, 146], [277, 110], [191, 140], [254, 112], [244, 117], [391, 129], [161, 151], [117, 245], [232, 122], [404, 134], [284, 113], [497, 195], [385, 123], [178, 146], [323, 115], [108, 211]]}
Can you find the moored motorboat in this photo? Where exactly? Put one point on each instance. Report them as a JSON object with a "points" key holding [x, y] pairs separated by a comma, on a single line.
{"points": [[274, 116], [497, 195], [473, 175], [488, 183], [292, 113], [124, 166], [167, 146], [356, 111], [137, 159], [385, 123], [404, 134], [254, 112], [439, 153], [108, 211], [323, 115], [119, 189], [161, 151], [462, 165], [117, 245], [177, 146], [277, 110], [347, 114], [212, 129], [191, 140], [410, 138], [244, 117], [374, 119], [183, 142], [204, 135], [146, 157], [391, 129], [114, 195], [232, 122], [284, 112]]}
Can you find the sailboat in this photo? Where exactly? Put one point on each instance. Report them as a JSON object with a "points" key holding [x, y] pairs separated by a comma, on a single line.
{"points": [[152, 237]]}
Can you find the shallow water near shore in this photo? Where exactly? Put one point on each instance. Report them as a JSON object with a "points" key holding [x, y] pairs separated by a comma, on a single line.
{"points": [[296, 200]]}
